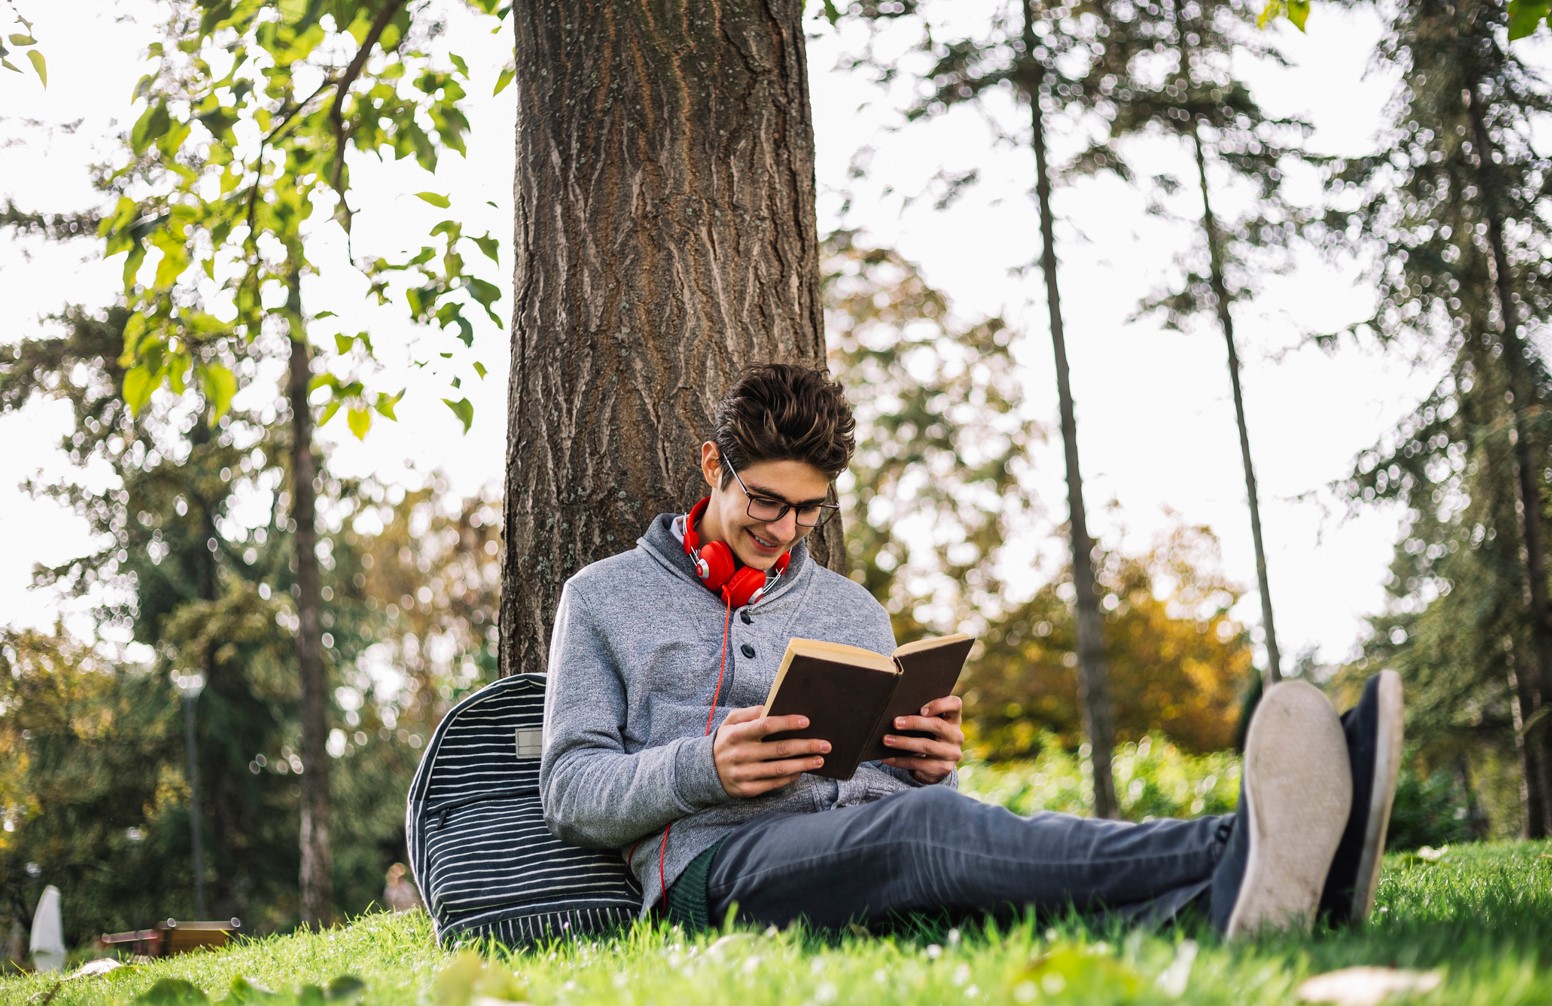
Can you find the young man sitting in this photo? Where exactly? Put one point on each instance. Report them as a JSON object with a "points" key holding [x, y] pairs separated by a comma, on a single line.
{"points": [[655, 742]]}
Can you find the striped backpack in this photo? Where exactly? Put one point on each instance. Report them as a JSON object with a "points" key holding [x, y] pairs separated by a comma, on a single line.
{"points": [[484, 861]]}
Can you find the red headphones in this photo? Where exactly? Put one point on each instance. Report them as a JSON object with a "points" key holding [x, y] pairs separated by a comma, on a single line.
{"points": [[718, 570]]}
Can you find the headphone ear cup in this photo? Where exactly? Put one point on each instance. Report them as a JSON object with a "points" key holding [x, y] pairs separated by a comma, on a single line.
{"points": [[714, 564], [744, 585]]}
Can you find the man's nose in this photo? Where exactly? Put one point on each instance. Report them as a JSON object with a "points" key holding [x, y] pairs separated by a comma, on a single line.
{"points": [[784, 527]]}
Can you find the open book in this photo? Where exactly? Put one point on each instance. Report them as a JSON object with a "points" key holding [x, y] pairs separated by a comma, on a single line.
{"points": [[851, 696]]}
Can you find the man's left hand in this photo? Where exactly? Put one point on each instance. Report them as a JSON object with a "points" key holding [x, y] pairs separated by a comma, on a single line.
{"points": [[930, 759]]}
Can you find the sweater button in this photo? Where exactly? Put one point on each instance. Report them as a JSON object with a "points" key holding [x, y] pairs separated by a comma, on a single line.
{"points": [[748, 619], [746, 650]]}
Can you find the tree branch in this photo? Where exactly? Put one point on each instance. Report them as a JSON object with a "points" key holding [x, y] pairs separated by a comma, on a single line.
{"points": [[336, 113]]}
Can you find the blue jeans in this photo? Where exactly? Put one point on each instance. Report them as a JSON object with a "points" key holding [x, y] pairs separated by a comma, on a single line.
{"points": [[937, 850]]}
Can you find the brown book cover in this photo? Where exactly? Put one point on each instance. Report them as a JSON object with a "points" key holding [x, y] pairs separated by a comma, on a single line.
{"points": [[851, 696]]}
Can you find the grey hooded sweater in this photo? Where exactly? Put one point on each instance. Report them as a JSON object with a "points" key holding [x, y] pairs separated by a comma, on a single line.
{"points": [[633, 666]]}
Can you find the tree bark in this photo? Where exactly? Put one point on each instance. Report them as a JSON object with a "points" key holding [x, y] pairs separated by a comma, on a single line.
{"points": [[1093, 670], [317, 873], [1533, 769], [1537, 686], [1226, 323], [664, 239]]}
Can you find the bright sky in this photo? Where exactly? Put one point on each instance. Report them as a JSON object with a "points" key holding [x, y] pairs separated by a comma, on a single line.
{"points": [[1155, 421]]}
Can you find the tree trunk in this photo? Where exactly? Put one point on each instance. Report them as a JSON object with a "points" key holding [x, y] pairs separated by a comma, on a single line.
{"points": [[664, 240], [1093, 672], [317, 875], [1220, 290], [1537, 671], [1533, 767]]}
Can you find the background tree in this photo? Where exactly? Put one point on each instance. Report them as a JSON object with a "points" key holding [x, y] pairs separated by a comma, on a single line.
{"points": [[248, 114], [1452, 205], [1179, 661], [943, 448], [1031, 51], [664, 239], [191, 551], [1167, 71]]}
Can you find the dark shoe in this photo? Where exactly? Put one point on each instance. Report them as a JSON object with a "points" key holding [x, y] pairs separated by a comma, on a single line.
{"points": [[1373, 729], [1295, 798]]}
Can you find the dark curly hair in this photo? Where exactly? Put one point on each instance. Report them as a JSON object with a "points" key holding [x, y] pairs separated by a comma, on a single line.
{"points": [[785, 412]]}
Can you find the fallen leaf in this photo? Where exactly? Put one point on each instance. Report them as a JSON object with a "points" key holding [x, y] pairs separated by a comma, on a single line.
{"points": [[729, 942], [1173, 980], [1365, 986], [101, 966]]}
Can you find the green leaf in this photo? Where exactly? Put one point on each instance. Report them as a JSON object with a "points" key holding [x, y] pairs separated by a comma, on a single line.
{"points": [[831, 12], [486, 294], [385, 405], [458, 61], [23, 40], [39, 65], [150, 127], [329, 410], [343, 342], [172, 992], [454, 984], [292, 11], [132, 263], [463, 409], [479, 368], [359, 419], [134, 328], [1298, 12], [491, 247], [441, 202], [220, 385], [137, 388], [175, 260], [345, 987], [1526, 15], [502, 80], [243, 993]]}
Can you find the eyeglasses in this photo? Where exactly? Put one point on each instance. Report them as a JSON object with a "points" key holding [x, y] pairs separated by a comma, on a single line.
{"points": [[764, 508]]}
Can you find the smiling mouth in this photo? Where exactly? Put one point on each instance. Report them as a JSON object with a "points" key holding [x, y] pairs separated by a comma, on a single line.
{"points": [[767, 545]]}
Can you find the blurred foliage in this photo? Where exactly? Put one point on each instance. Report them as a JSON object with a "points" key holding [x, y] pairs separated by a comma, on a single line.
{"points": [[1154, 778], [242, 129], [1450, 212], [1178, 662], [86, 801], [942, 457], [190, 558]]}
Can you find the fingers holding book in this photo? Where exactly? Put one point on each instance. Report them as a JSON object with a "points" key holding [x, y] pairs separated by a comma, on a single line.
{"points": [[931, 744], [748, 765]]}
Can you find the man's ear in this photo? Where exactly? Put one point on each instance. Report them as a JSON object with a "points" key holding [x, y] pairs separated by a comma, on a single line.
{"points": [[711, 464]]}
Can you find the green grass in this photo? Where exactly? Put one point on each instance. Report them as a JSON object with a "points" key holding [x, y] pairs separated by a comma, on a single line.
{"points": [[1481, 915]]}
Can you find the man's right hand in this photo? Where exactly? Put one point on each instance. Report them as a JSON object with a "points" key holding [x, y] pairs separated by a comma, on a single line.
{"points": [[748, 766]]}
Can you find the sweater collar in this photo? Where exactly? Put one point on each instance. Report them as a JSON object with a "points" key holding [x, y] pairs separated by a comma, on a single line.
{"points": [[662, 544]]}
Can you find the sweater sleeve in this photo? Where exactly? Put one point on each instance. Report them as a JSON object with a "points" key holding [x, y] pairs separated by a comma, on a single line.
{"points": [[594, 792]]}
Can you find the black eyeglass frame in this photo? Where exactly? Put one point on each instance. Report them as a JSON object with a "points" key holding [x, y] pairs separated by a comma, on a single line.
{"points": [[826, 510]]}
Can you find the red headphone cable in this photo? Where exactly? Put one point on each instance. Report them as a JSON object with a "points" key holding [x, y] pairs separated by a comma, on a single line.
{"points": [[662, 849]]}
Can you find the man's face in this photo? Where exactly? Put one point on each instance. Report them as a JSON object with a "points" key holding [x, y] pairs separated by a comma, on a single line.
{"points": [[758, 543]]}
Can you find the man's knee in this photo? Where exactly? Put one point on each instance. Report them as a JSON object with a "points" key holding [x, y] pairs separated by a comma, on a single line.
{"points": [[923, 812]]}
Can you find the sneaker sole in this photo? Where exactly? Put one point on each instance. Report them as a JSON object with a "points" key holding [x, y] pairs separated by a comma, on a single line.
{"points": [[1298, 792], [1387, 766]]}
